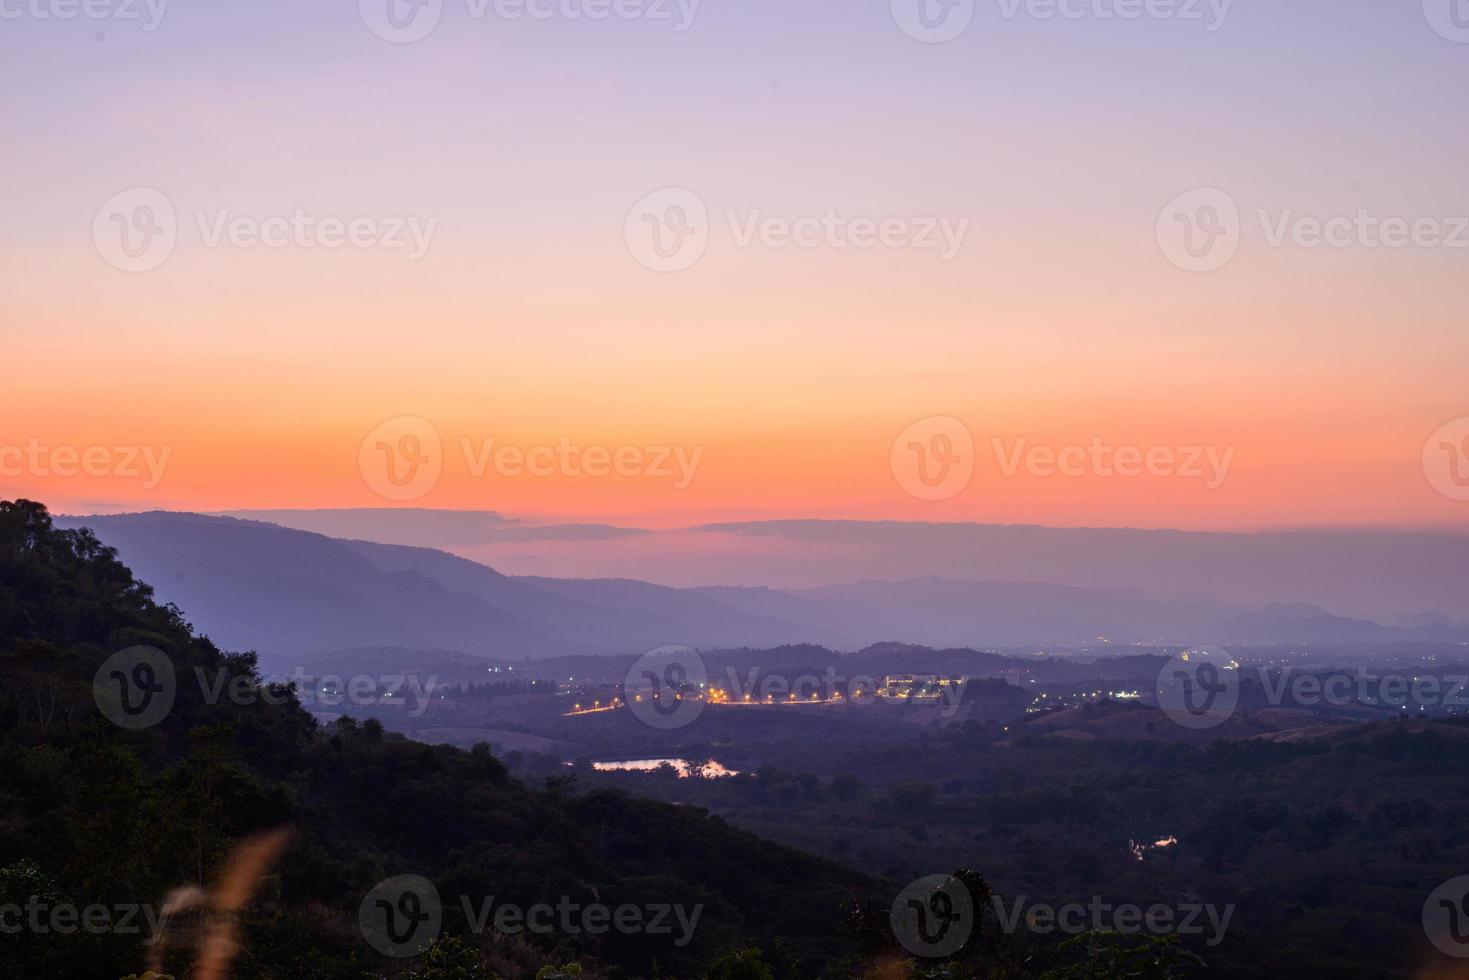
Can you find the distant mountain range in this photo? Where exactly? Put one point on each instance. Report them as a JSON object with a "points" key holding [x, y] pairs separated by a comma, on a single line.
{"points": [[288, 593], [1382, 574]]}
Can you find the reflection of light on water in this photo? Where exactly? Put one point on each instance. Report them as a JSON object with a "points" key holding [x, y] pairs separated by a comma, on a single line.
{"points": [[1138, 850], [710, 770]]}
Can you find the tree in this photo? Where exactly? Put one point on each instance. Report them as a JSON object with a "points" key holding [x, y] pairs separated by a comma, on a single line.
{"points": [[744, 964]]}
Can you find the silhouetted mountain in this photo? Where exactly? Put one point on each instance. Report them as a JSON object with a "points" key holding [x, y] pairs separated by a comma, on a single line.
{"points": [[97, 811], [289, 594]]}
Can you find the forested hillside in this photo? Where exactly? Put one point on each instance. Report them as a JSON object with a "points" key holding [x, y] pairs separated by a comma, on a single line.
{"points": [[96, 814]]}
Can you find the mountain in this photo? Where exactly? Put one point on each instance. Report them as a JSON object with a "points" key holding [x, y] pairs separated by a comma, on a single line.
{"points": [[291, 595], [1366, 573], [720, 620], [102, 807], [288, 593]]}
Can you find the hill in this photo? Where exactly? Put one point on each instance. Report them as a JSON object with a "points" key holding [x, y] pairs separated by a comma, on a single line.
{"points": [[101, 815]]}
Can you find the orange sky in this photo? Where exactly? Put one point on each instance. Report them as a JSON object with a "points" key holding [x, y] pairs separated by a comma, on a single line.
{"points": [[529, 319]]}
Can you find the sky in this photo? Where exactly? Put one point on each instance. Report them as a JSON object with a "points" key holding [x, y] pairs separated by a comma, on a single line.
{"points": [[705, 262]]}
